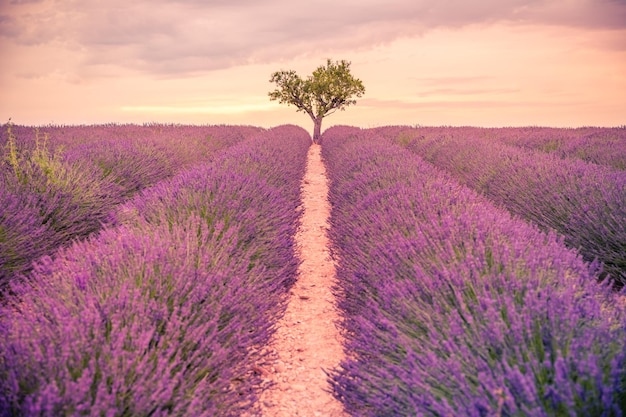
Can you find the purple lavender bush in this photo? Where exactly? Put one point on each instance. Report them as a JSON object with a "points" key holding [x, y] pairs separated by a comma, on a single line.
{"points": [[23, 236], [166, 313], [136, 157], [127, 324], [585, 203], [139, 156], [48, 200], [598, 145], [186, 145], [68, 179], [234, 164], [451, 306], [131, 165]]}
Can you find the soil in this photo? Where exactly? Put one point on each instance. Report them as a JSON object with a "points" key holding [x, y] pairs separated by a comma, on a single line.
{"points": [[307, 342]]}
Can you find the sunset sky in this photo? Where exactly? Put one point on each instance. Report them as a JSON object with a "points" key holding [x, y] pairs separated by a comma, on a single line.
{"points": [[428, 62]]}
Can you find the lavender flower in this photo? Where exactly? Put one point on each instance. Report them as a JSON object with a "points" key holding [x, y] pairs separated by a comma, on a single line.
{"points": [[166, 312], [585, 203], [451, 306], [59, 183]]}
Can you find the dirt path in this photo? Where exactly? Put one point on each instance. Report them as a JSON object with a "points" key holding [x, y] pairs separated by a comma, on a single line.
{"points": [[306, 341]]}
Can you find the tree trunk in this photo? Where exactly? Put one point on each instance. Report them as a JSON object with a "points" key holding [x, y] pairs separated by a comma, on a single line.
{"points": [[317, 129]]}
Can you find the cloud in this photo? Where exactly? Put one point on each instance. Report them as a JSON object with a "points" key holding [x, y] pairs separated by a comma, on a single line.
{"points": [[592, 14], [25, 1], [190, 36]]}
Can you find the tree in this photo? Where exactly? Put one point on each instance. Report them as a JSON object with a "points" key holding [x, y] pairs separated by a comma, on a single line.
{"points": [[328, 89]]}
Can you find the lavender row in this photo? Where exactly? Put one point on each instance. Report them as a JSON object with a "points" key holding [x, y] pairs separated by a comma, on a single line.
{"points": [[603, 146], [162, 149], [597, 145], [45, 202], [451, 306], [164, 314], [585, 203], [182, 144], [62, 184]]}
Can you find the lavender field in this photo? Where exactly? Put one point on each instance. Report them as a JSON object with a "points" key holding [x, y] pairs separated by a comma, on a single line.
{"points": [[453, 306], [582, 201], [165, 310], [61, 183], [480, 272]]}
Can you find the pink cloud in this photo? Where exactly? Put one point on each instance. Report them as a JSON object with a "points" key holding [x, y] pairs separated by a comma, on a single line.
{"points": [[182, 37]]}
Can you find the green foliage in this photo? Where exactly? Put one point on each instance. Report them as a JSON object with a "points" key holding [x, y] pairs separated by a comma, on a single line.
{"points": [[26, 163], [330, 88], [11, 151]]}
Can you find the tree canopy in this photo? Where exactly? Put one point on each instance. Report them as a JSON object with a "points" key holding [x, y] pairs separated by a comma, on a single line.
{"points": [[331, 87]]}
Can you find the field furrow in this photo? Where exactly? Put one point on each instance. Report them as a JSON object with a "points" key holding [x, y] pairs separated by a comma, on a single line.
{"points": [[307, 344]]}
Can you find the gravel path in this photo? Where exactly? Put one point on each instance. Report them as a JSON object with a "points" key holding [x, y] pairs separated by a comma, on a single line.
{"points": [[306, 341]]}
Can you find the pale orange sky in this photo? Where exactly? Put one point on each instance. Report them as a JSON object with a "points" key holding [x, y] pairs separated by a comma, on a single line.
{"points": [[481, 63]]}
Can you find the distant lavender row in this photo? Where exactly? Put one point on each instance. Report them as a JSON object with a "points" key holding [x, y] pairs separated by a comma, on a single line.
{"points": [[603, 146], [184, 144], [162, 149], [164, 314], [452, 307], [586, 203], [58, 184], [45, 202], [597, 145]]}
